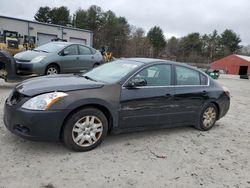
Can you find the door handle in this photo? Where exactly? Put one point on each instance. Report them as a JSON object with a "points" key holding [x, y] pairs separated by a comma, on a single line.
{"points": [[204, 91], [77, 58], [92, 57]]}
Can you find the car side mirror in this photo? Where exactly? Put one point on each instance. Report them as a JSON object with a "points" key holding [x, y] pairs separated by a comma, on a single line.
{"points": [[136, 82]]}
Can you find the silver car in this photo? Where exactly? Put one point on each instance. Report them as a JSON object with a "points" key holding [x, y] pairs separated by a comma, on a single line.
{"points": [[58, 57]]}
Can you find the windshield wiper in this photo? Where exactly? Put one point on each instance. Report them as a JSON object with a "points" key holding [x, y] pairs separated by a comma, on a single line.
{"points": [[88, 78], [41, 51], [44, 51]]}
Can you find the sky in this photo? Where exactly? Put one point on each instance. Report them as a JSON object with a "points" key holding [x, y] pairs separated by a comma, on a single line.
{"points": [[175, 17]]}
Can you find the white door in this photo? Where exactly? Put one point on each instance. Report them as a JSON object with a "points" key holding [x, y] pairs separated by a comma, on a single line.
{"points": [[77, 40], [44, 38]]}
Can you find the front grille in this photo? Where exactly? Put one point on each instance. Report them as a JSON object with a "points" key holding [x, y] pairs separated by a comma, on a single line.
{"points": [[15, 97], [22, 60]]}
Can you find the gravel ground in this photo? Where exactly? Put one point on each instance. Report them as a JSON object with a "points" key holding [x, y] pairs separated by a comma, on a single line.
{"points": [[178, 157]]}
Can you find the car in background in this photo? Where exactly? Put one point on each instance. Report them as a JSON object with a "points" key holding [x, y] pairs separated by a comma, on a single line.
{"points": [[57, 57], [121, 96], [213, 73]]}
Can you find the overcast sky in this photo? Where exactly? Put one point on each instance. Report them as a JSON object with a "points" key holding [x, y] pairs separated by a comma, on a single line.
{"points": [[175, 17]]}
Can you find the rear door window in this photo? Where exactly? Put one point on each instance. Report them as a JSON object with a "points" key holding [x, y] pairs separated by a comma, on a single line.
{"points": [[187, 76], [72, 50], [84, 50]]}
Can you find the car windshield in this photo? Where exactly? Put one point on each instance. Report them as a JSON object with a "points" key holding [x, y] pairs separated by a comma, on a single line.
{"points": [[112, 72], [50, 47]]}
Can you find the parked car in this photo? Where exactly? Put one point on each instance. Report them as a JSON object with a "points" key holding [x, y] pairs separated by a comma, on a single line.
{"points": [[58, 57], [121, 96], [213, 73]]}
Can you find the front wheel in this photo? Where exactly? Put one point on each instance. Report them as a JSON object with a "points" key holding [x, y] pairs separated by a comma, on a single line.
{"points": [[85, 129], [52, 69], [208, 117]]}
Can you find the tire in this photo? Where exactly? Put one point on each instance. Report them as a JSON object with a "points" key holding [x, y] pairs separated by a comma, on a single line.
{"points": [[208, 117], [83, 133], [52, 69]]}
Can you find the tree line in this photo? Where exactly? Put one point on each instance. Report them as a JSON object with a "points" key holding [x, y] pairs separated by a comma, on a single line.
{"points": [[126, 40]]}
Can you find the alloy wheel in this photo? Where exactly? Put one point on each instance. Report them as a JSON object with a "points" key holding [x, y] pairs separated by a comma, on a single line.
{"points": [[209, 117], [51, 71], [87, 131]]}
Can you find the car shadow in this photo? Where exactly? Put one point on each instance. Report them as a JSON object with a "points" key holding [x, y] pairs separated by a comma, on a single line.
{"points": [[30, 146], [108, 143], [142, 135]]}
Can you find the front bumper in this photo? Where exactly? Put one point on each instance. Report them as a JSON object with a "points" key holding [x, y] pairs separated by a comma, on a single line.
{"points": [[34, 125], [29, 68]]}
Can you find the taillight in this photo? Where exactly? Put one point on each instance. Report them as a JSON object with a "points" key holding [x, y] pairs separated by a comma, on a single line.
{"points": [[226, 90]]}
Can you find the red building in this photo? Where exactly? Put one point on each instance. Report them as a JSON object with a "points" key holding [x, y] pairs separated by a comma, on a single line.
{"points": [[233, 64]]}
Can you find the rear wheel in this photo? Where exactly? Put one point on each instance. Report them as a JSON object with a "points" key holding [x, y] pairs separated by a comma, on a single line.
{"points": [[85, 129], [208, 117], [52, 69]]}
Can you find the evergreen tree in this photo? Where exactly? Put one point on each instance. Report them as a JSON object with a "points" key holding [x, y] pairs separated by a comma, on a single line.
{"points": [[157, 40]]}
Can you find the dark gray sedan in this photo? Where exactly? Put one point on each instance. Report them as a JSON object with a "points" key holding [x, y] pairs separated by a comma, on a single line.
{"points": [[58, 57], [121, 96]]}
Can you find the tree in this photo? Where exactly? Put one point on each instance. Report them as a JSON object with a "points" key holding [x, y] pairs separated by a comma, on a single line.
{"points": [[230, 42], [94, 22], [172, 47], [138, 44], [245, 50], [80, 19], [43, 15], [190, 48], [57, 15], [60, 15], [192, 43], [211, 45], [109, 30], [124, 40], [94, 14], [157, 40], [114, 32]]}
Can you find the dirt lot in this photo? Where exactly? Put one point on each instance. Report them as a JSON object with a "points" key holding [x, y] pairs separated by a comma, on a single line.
{"points": [[179, 157]]}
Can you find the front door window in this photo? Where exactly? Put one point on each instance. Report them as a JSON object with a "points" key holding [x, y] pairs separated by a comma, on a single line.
{"points": [[157, 75]]}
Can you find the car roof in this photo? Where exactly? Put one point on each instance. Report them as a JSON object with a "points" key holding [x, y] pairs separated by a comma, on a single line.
{"points": [[68, 43], [152, 60], [61, 42]]}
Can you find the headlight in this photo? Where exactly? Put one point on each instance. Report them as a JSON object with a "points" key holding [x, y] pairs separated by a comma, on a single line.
{"points": [[38, 59], [44, 101]]}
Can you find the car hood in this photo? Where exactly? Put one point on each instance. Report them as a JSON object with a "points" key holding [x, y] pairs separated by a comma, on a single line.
{"points": [[44, 84], [29, 55]]}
